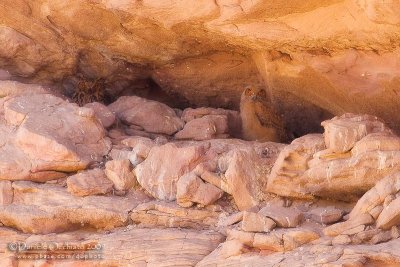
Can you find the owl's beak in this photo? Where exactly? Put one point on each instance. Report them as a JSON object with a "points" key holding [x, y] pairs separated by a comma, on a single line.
{"points": [[253, 97]]}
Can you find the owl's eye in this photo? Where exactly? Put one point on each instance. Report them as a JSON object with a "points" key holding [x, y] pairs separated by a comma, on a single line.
{"points": [[248, 92], [262, 94]]}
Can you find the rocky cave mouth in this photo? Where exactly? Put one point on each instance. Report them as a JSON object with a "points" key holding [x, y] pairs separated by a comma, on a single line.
{"points": [[200, 133]]}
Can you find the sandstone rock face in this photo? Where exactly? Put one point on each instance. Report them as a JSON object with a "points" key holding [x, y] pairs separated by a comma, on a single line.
{"points": [[160, 172], [121, 174], [233, 118], [342, 133], [206, 53], [156, 214], [50, 208], [6, 193], [44, 136], [361, 150], [204, 128], [92, 182], [191, 189], [105, 116], [153, 117]]}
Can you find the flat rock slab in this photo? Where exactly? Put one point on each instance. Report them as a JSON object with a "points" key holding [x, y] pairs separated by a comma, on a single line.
{"points": [[131, 247], [284, 217], [44, 208], [161, 214]]}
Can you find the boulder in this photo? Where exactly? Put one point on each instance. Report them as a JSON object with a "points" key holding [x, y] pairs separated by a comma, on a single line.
{"points": [[255, 222], [205, 128], [162, 214], [152, 116], [191, 189], [344, 174], [102, 113], [164, 165], [120, 172], [343, 132], [44, 136], [91, 182], [292, 162], [326, 215], [283, 217], [6, 193], [233, 117], [46, 208]]}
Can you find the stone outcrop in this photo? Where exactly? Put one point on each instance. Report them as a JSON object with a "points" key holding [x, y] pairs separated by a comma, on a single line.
{"points": [[86, 183], [44, 137], [50, 208], [160, 200], [360, 150], [164, 165], [151, 116]]}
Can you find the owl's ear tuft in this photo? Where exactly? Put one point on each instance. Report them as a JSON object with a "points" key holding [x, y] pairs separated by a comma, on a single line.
{"points": [[248, 91]]}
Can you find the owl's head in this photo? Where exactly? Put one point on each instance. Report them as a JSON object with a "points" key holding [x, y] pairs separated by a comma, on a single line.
{"points": [[254, 94]]}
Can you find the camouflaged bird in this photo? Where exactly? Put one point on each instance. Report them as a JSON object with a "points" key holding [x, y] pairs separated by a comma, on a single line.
{"points": [[260, 121]]}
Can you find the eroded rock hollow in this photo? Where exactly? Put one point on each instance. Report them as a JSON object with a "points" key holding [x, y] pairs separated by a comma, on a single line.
{"points": [[123, 127]]}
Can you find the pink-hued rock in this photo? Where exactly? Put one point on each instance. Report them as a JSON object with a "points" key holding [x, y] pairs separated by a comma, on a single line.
{"points": [[255, 222], [45, 208], [284, 217], [305, 168], [342, 133], [240, 168], [102, 113], [91, 182], [277, 240], [152, 116], [120, 172], [156, 214], [326, 215], [6, 193], [205, 128], [191, 189], [233, 117], [292, 162], [164, 165], [44, 136]]}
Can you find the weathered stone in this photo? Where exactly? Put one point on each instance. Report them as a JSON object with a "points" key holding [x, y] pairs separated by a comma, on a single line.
{"points": [[50, 137], [277, 240], [341, 240], [327, 215], [171, 215], [284, 217], [231, 219], [390, 216], [120, 172], [45, 208], [342, 133], [381, 237], [6, 193], [160, 171], [102, 113], [254, 222], [91, 182], [121, 247], [338, 228], [191, 189], [205, 128], [234, 120], [153, 117], [292, 162]]}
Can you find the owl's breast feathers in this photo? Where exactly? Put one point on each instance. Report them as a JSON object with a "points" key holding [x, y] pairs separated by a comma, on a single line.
{"points": [[269, 118]]}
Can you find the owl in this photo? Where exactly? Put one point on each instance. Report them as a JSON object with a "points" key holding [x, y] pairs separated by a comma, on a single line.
{"points": [[260, 121]]}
